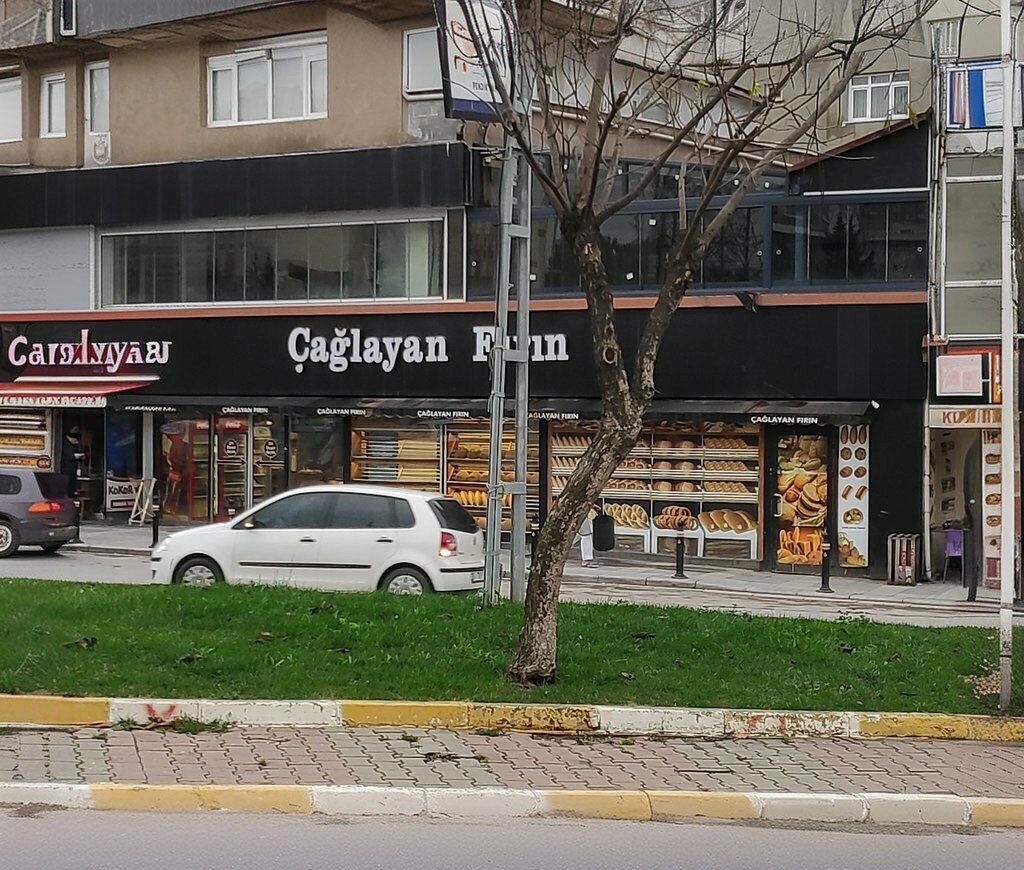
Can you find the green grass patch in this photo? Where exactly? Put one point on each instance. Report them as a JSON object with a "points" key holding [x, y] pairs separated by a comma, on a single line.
{"points": [[274, 642]]}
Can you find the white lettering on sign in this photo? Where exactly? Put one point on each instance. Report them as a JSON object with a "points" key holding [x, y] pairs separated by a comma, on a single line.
{"points": [[553, 347], [785, 420], [112, 356], [350, 347]]}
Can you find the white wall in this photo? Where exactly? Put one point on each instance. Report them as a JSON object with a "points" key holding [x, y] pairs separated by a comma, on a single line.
{"points": [[45, 270]]}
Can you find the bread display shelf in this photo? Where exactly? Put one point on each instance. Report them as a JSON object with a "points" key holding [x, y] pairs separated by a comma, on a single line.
{"points": [[403, 459], [656, 495]]}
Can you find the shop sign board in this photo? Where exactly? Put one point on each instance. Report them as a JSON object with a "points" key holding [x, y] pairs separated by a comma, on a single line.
{"points": [[121, 494], [965, 417], [786, 420]]}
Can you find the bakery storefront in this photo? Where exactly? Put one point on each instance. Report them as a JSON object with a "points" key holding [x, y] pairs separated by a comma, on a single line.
{"points": [[223, 413]]}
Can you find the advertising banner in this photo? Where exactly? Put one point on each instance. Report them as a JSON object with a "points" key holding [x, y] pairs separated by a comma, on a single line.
{"points": [[476, 46]]}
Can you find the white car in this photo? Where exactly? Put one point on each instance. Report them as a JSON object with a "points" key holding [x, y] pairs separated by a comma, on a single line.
{"points": [[338, 536]]}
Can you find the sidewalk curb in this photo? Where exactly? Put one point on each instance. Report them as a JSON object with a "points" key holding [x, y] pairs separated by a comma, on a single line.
{"points": [[490, 803], [51, 710]]}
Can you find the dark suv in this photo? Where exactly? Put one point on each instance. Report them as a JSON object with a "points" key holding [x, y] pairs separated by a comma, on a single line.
{"points": [[35, 510]]}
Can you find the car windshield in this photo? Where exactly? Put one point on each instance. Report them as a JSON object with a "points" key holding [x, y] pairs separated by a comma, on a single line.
{"points": [[51, 484], [452, 516]]}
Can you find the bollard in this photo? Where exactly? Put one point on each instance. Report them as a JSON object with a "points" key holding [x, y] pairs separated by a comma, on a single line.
{"points": [[825, 567], [680, 559], [533, 544]]}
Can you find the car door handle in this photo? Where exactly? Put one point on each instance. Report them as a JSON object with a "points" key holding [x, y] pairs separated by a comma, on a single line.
{"points": [[385, 540], [307, 540]]}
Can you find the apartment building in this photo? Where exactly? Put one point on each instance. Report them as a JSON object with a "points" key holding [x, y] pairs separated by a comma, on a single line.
{"points": [[964, 489], [242, 249]]}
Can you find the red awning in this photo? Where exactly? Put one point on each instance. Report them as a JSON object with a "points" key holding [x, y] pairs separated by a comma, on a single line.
{"points": [[68, 392]]}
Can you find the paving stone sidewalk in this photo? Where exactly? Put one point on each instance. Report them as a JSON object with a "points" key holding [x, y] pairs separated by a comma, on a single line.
{"points": [[438, 758]]}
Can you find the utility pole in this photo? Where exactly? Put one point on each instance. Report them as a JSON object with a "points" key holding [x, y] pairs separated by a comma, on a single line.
{"points": [[513, 271], [1008, 367]]}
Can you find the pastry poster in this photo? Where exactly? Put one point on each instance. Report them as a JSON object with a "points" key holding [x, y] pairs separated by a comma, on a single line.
{"points": [[853, 496], [992, 497]]}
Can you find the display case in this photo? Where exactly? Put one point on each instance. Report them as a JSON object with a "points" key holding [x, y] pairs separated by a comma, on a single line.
{"points": [[25, 438], [387, 453], [466, 469], [698, 480]]}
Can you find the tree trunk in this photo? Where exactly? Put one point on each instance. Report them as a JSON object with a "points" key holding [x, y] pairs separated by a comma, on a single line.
{"points": [[535, 659]]}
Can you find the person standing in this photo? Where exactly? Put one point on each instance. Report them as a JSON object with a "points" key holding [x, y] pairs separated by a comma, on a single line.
{"points": [[70, 456]]}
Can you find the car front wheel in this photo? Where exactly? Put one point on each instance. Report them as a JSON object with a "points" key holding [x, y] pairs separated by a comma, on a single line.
{"points": [[198, 571], [10, 540], [406, 581]]}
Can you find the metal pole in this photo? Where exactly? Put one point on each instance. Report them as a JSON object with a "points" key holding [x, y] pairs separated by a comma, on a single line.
{"points": [[522, 281], [1008, 365], [499, 351]]}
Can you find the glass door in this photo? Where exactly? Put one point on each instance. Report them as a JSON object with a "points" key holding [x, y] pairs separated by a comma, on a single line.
{"points": [[269, 461], [799, 498], [231, 445]]}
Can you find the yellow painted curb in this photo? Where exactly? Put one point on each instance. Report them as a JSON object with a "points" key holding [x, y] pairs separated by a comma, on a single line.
{"points": [[997, 813], [940, 726], [629, 805], [53, 710], [531, 717], [411, 714], [190, 798], [712, 805]]}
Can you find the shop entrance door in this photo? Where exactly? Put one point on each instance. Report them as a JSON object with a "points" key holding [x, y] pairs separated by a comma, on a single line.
{"points": [[798, 497], [231, 466], [269, 456]]}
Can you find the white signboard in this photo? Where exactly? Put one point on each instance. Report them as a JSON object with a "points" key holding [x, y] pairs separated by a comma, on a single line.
{"points": [[475, 49], [958, 374]]}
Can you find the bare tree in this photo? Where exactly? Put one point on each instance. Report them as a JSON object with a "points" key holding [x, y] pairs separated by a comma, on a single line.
{"points": [[724, 91]]}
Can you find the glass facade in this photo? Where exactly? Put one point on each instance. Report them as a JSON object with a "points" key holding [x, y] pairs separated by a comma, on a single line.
{"points": [[394, 260]]}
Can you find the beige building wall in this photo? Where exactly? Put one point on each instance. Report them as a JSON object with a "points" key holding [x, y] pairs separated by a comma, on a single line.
{"points": [[159, 101], [34, 149]]}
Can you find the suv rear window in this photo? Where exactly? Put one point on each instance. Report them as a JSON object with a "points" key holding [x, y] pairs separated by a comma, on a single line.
{"points": [[52, 485], [453, 516], [9, 484]]}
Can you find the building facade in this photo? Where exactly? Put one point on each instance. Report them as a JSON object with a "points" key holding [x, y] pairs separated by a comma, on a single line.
{"points": [[242, 249]]}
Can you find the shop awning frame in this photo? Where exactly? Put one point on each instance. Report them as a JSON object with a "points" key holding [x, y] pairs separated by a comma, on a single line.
{"points": [[68, 392]]}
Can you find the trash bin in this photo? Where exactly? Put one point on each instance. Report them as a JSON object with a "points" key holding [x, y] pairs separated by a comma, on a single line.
{"points": [[604, 533]]}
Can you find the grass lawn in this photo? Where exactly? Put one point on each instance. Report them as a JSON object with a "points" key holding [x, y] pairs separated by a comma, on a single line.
{"points": [[266, 642]]}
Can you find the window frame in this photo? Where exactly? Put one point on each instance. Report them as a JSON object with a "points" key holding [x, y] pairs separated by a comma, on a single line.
{"points": [[46, 82], [413, 94], [309, 49], [867, 87], [946, 38], [349, 220], [16, 82], [90, 75]]}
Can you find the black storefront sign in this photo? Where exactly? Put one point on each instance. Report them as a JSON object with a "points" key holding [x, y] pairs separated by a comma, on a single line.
{"points": [[341, 364]]}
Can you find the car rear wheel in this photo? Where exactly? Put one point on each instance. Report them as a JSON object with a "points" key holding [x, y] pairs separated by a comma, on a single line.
{"points": [[51, 548], [198, 571], [10, 540], [406, 581]]}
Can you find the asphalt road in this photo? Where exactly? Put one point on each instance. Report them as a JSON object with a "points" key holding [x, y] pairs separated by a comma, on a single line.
{"points": [[85, 840], [92, 567]]}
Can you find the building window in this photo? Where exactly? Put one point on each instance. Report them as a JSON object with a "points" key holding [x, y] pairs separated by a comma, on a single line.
{"points": [[422, 63], [10, 109], [946, 38], [393, 260], [52, 123], [974, 96], [97, 83], [282, 81], [879, 97]]}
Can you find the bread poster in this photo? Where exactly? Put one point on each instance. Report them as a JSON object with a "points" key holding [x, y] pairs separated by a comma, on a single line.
{"points": [[991, 507], [853, 496]]}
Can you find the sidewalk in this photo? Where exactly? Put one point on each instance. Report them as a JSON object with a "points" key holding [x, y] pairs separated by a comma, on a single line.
{"points": [[419, 758], [646, 571]]}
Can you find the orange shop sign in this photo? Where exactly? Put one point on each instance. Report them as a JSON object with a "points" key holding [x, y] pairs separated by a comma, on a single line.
{"points": [[966, 417]]}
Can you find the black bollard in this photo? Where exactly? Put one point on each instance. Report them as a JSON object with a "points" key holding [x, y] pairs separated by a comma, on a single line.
{"points": [[680, 559], [825, 567]]}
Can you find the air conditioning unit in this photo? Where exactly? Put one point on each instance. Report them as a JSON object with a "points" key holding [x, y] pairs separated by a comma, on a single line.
{"points": [[97, 149]]}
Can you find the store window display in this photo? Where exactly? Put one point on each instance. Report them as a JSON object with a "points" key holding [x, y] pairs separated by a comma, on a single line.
{"points": [[185, 466], [317, 450]]}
